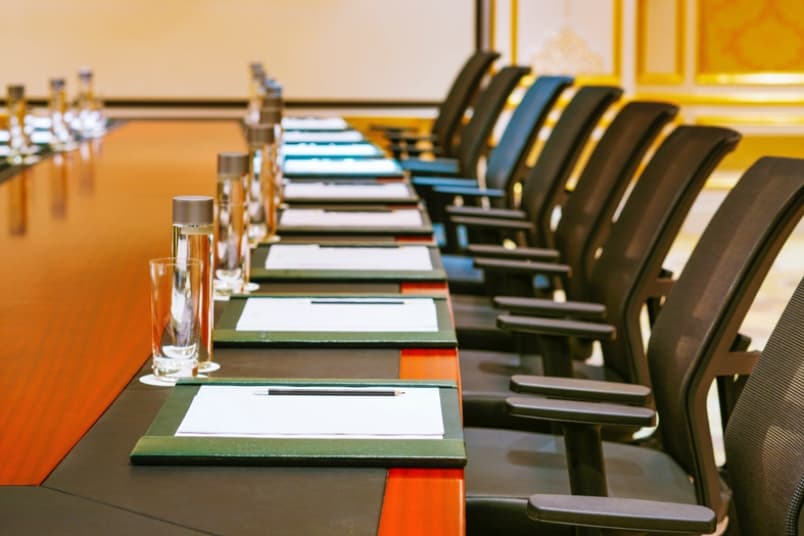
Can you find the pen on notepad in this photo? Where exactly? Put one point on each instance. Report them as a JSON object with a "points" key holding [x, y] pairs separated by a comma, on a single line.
{"points": [[327, 392], [357, 302]]}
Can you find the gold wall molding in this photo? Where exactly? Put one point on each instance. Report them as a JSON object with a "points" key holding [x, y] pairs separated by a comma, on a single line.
{"points": [[644, 74], [750, 42]]}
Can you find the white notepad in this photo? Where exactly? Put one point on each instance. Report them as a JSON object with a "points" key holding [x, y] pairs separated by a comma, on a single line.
{"points": [[329, 190], [315, 257], [344, 166], [339, 314], [310, 217], [314, 123], [251, 411], [342, 136], [329, 149]]}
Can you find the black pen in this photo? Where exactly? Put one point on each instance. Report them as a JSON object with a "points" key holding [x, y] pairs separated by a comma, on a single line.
{"points": [[328, 392], [357, 302]]}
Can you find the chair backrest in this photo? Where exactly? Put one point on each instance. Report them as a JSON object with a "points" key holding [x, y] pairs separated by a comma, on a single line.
{"points": [[522, 129], [625, 275], [460, 96], [766, 432], [692, 337], [586, 217], [489, 104], [544, 185]]}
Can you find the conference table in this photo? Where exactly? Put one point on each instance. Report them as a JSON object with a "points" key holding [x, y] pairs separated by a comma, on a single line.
{"points": [[78, 231]]}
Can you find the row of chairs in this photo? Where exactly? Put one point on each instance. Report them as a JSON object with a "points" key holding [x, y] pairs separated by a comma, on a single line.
{"points": [[537, 414]]}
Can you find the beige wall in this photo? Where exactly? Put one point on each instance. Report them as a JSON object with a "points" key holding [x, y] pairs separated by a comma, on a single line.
{"points": [[319, 49]]}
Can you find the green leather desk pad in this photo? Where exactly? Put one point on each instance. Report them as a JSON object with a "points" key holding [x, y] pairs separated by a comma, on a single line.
{"points": [[354, 173], [376, 152], [260, 273], [411, 197], [426, 227], [226, 334], [159, 445]]}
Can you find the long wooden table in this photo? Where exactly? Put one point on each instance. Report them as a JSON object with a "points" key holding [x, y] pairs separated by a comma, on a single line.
{"points": [[79, 229]]}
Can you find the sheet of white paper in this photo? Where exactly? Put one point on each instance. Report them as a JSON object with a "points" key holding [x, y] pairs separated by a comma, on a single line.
{"points": [[251, 411], [41, 136], [314, 123], [328, 190], [315, 257], [40, 122], [342, 136], [5, 150], [344, 166], [354, 314], [329, 149], [4, 136], [310, 217]]}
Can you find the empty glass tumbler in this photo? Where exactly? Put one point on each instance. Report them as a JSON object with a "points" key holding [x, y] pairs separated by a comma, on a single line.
{"points": [[176, 304]]}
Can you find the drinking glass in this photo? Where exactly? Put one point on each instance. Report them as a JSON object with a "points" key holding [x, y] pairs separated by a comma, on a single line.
{"points": [[176, 304], [231, 247]]}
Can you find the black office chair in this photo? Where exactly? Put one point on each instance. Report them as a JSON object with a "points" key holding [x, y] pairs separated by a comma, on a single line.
{"points": [[447, 125], [627, 273], [554, 165], [475, 135], [507, 158], [586, 214], [691, 344], [763, 446]]}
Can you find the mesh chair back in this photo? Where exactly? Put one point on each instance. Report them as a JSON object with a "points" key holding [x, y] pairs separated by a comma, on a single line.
{"points": [[625, 274], [766, 432], [522, 130], [460, 97], [587, 215], [475, 136], [544, 184], [692, 338]]}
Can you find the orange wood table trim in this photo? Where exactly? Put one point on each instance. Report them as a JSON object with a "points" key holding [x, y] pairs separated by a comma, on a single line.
{"points": [[425, 501]]}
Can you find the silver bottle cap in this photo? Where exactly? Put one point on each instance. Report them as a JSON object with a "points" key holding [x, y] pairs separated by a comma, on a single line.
{"points": [[85, 74], [232, 163], [57, 84], [193, 209], [15, 91], [261, 134]]}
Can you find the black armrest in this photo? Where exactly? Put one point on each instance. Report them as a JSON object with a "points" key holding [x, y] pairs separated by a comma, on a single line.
{"points": [[500, 224], [571, 411], [619, 513], [556, 326], [444, 181], [502, 252], [542, 307], [469, 192], [480, 212], [409, 137], [410, 150], [581, 389], [521, 266]]}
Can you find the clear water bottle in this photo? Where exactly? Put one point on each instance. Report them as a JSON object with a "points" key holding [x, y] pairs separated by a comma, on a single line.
{"points": [[193, 231], [232, 251], [262, 172], [256, 91], [19, 141], [89, 120], [273, 116], [61, 139]]}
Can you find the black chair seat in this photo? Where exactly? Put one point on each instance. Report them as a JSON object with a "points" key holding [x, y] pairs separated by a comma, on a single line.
{"points": [[515, 465]]}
